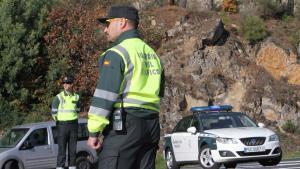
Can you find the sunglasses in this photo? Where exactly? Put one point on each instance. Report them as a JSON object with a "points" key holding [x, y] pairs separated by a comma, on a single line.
{"points": [[109, 21]]}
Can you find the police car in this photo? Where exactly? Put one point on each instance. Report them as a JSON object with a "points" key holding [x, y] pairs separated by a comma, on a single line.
{"points": [[214, 135]]}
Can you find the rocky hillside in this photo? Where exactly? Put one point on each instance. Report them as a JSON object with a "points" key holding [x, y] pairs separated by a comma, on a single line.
{"points": [[205, 59]]}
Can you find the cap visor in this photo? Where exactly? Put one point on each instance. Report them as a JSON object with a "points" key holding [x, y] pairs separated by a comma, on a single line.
{"points": [[101, 20]]}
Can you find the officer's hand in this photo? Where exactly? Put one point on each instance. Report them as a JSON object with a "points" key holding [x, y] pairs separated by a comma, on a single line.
{"points": [[94, 143]]}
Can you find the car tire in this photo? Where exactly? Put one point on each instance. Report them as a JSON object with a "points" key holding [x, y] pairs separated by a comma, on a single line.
{"points": [[205, 159], [271, 162], [230, 165], [83, 163], [170, 160], [11, 165]]}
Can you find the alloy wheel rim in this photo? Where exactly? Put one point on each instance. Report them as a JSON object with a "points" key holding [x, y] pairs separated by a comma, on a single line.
{"points": [[169, 160], [206, 159]]}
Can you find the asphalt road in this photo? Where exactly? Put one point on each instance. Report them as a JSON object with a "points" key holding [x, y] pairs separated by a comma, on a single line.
{"points": [[285, 164]]}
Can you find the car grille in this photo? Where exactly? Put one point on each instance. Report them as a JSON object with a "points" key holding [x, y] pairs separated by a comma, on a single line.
{"points": [[253, 141], [241, 153]]}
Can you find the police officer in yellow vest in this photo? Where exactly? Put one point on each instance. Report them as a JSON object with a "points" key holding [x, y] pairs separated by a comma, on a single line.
{"points": [[126, 103], [65, 109]]}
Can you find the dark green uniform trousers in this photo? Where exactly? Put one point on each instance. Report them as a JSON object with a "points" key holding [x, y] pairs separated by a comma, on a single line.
{"points": [[67, 135], [135, 148]]}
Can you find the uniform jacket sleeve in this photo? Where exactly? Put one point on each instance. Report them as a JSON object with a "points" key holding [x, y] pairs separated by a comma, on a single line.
{"points": [[54, 107], [111, 68]]}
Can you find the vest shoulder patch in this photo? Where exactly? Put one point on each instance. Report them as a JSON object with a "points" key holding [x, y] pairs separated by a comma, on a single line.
{"points": [[106, 63]]}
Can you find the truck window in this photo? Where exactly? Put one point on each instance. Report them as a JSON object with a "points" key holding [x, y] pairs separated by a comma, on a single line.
{"points": [[38, 137], [83, 133]]}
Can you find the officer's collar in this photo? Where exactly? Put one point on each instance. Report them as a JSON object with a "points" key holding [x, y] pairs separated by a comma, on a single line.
{"points": [[133, 33], [68, 93]]}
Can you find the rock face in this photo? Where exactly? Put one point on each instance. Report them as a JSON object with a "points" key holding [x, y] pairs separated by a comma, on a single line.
{"points": [[199, 5], [262, 81], [279, 63]]}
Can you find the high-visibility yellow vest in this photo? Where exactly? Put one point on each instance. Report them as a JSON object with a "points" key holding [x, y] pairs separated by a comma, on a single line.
{"points": [[67, 109], [142, 75]]}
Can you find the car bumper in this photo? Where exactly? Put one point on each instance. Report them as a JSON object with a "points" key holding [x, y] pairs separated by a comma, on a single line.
{"points": [[230, 153]]}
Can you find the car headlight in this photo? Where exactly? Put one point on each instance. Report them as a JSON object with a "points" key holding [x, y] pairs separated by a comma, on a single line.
{"points": [[274, 138], [226, 140]]}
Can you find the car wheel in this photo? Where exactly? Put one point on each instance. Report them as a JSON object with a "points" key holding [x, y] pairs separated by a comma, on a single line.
{"points": [[205, 159], [83, 163], [230, 165], [171, 163], [271, 162], [11, 165]]}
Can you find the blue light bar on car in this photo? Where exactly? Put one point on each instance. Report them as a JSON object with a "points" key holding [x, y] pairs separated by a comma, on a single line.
{"points": [[212, 108]]}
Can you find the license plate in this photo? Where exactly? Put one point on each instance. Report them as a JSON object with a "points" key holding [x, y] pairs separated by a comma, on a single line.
{"points": [[254, 149]]}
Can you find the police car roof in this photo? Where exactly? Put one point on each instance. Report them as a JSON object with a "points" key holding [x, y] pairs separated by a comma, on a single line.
{"points": [[211, 108]]}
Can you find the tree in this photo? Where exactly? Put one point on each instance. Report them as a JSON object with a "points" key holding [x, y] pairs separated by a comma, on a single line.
{"points": [[21, 48]]}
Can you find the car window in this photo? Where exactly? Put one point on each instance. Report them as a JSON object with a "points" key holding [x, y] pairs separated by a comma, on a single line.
{"points": [[226, 121], [217, 121], [54, 133], [244, 121], [183, 125], [195, 123], [12, 137], [83, 133], [38, 137]]}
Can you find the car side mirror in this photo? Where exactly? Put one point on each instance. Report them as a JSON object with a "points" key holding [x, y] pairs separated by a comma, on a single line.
{"points": [[261, 125], [26, 145], [192, 130]]}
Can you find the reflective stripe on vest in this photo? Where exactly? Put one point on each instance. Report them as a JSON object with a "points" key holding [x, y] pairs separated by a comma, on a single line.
{"points": [[67, 109], [142, 75]]}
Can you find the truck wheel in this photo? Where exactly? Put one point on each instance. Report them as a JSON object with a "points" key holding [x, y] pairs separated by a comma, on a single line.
{"points": [[171, 163], [205, 159], [83, 163], [11, 165]]}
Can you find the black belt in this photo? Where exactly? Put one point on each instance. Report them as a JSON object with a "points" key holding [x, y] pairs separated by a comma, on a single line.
{"points": [[68, 122]]}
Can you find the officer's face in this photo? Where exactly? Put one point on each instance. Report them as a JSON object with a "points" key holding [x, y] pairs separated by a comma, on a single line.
{"points": [[113, 28], [68, 87]]}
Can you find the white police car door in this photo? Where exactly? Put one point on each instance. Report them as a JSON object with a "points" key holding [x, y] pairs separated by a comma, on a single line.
{"points": [[183, 142], [192, 147]]}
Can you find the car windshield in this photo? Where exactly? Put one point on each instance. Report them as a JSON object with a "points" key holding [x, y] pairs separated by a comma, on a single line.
{"points": [[12, 137], [217, 121]]}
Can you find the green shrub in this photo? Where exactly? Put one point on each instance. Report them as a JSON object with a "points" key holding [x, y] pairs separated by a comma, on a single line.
{"points": [[286, 18], [224, 17], [289, 127], [253, 29], [269, 8]]}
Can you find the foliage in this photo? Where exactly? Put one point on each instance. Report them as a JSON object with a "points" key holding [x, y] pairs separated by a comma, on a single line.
{"points": [[230, 6], [269, 9], [253, 29], [224, 17], [286, 18], [74, 42], [295, 37], [21, 33], [289, 127]]}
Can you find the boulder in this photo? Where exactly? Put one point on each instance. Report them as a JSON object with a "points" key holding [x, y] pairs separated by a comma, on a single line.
{"points": [[199, 5]]}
